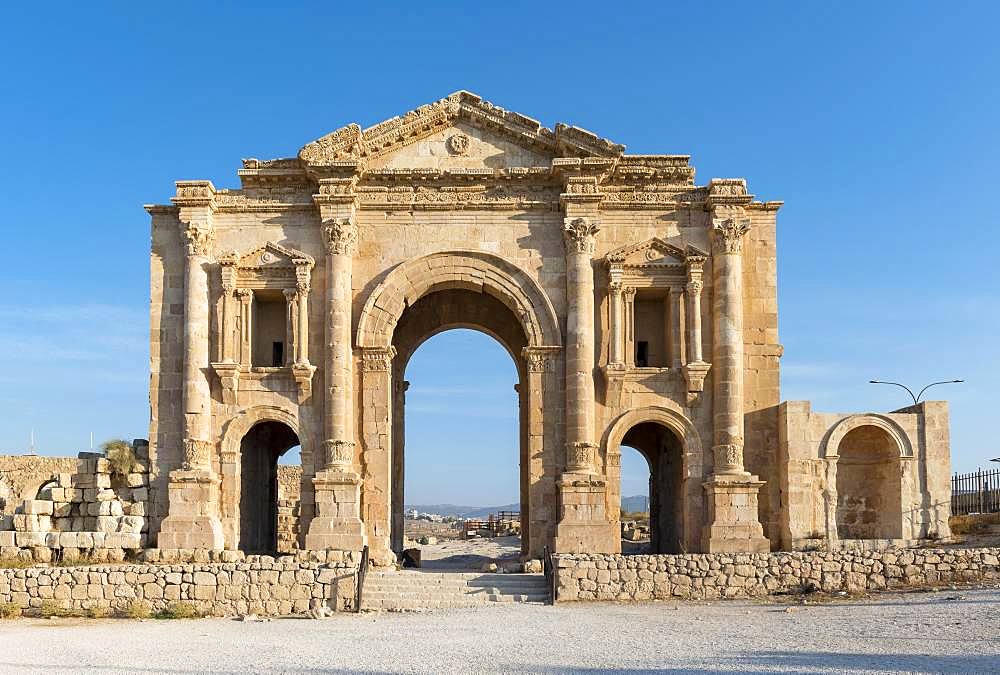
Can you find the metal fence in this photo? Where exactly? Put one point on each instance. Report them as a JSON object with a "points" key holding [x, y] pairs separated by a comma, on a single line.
{"points": [[977, 492]]}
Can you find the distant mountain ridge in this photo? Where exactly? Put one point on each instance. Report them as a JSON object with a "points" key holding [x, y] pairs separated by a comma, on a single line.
{"points": [[632, 504], [635, 504]]}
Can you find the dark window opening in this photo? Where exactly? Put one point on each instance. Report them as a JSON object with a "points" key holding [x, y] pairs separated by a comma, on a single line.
{"points": [[642, 353], [277, 354]]}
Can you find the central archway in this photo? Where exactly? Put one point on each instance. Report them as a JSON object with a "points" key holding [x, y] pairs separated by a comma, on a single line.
{"points": [[438, 292]]}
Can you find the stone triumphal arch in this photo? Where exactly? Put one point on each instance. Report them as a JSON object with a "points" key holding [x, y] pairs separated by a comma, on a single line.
{"points": [[638, 306]]}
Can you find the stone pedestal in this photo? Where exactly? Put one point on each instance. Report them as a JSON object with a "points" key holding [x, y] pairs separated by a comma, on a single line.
{"points": [[193, 521], [337, 523], [583, 520], [732, 512]]}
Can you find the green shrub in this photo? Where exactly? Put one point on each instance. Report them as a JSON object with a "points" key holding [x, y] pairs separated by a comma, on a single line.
{"points": [[52, 608], [98, 612], [9, 610], [179, 610], [138, 610], [120, 456], [15, 563]]}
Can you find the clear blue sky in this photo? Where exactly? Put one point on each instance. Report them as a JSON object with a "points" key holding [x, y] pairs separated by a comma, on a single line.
{"points": [[876, 123]]}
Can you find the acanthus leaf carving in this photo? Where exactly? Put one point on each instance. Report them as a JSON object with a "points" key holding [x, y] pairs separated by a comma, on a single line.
{"points": [[340, 236], [580, 234], [728, 233]]}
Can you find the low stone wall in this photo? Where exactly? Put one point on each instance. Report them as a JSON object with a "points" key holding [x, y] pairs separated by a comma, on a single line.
{"points": [[256, 585], [711, 576]]}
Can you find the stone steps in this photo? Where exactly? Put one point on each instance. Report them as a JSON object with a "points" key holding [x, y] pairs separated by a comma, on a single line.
{"points": [[410, 590]]}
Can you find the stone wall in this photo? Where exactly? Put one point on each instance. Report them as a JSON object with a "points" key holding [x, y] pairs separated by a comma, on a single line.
{"points": [[254, 585], [87, 511], [707, 576], [22, 475], [289, 491]]}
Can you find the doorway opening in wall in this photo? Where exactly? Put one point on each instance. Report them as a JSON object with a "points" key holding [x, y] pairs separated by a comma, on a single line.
{"points": [[270, 477], [652, 490], [460, 484], [869, 491]]}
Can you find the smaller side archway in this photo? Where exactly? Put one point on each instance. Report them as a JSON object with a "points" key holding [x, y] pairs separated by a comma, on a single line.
{"points": [[252, 443], [868, 452], [672, 448]]}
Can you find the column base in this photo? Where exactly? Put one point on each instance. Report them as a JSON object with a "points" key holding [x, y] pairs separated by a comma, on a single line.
{"points": [[192, 520], [337, 523], [583, 522], [732, 513]]}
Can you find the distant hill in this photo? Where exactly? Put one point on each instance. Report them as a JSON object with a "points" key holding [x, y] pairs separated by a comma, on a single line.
{"points": [[635, 503], [458, 511]]}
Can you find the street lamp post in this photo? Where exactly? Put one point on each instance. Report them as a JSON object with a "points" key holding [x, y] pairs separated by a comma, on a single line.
{"points": [[915, 397]]}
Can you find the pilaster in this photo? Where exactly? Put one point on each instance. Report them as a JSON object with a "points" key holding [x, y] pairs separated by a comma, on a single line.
{"points": [[193, 490], [337, 523], [734, 525]]}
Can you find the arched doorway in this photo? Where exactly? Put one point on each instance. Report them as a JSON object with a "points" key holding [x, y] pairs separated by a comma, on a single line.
{"points": [[429, 316], [260, 450], [663, 452], [869, 492]]}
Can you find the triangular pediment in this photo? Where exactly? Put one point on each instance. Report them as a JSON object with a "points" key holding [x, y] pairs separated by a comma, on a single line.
{"points": [[653, 251], [273, 255], [460, 131]]}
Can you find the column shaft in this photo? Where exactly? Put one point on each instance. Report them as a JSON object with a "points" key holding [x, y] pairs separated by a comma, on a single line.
{"points": [[727, 270], [197, 392], [302, 355], [676, 327], [617, 319], [694, 321], [580, 234]]}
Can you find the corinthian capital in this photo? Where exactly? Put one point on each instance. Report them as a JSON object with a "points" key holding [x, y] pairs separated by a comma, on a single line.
{"points": [[340, 236], [580, 234], [727, 234], [198, 237]]}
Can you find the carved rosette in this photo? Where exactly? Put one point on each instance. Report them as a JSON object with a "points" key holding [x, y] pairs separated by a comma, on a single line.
{"points": [[377, 359], [728, 457], [339, 455], [340, 236], [198, 237], [580, 234], [728, 234], [197, 454], [580, 457]]}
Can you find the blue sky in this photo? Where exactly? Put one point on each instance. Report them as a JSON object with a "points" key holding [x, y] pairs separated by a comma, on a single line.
{"points": [[876, 123]]}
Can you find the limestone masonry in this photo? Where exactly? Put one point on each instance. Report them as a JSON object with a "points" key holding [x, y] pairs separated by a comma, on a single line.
{"points": [[640, 309]]}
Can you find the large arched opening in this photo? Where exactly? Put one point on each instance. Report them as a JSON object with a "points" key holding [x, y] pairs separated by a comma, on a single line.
{"points": [[431, 294], [259, 508], [869, 494], [432, 315]]}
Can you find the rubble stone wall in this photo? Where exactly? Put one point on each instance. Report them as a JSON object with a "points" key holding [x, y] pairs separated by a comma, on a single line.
{"points": [[256, 585], [711, 576], [22, 475]]}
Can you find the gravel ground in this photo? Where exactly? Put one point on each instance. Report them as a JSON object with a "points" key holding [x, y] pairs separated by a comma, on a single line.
{"points": [[951, 631]]}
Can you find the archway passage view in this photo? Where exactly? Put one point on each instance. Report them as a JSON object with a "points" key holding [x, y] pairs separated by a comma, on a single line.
{"points": [[869, 495], [652, 452], [268, 513], [458, 476]]}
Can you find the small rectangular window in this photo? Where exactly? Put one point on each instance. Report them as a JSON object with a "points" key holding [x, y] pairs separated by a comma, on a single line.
{"points": [[642, 353], [277, 354]]}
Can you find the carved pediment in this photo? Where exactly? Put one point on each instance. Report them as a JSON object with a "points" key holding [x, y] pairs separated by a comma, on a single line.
{"points": [[460, 131], [653, 251], [272, 255]]}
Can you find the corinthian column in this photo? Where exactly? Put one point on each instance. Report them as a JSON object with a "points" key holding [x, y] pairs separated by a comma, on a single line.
{"points": [[727, 358], [580, 237], [197, 397], [340, 236], [733, 524], [192, 520], [337, 524]]}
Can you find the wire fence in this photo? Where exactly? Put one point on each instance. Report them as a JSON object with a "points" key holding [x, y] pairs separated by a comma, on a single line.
{"points": [[977, 492]]}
